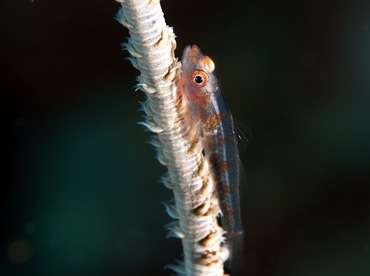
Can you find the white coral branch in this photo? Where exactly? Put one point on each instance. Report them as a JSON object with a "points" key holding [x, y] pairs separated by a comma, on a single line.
{"points": [[151, 45]]}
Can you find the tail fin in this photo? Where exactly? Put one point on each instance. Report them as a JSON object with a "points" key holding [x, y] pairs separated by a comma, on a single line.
{"points": [[235, 263]]}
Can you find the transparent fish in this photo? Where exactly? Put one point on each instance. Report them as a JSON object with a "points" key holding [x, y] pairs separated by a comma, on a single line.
{"points": [[208, 107]]}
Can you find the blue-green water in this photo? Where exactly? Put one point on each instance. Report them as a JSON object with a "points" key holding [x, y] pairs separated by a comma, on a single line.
{"points": [[79, 182]]}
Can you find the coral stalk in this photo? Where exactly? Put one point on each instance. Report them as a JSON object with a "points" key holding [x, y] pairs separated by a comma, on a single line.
{"points": [[178, 142]]}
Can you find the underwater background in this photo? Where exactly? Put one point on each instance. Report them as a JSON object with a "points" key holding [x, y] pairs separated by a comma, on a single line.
{"points": [[80, 192]]}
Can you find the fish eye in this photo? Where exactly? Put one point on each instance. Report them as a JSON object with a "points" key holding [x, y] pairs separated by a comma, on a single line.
{"points": [[199, 78]]}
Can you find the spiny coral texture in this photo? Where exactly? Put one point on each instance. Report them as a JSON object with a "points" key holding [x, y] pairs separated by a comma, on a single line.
{"points": [[178, 142]]}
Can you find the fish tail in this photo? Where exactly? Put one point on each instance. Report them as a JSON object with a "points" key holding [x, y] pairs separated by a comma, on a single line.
{"points": [[235, 263]]}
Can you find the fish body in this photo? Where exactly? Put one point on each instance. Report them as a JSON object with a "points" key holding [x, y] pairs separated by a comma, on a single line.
{"points": [[208, 106]]}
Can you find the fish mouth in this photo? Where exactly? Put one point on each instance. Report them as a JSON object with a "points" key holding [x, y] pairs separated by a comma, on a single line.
{"points": [[190, 57]]}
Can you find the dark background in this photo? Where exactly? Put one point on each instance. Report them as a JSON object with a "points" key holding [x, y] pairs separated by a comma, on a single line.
{"points": [[79, 191]]}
